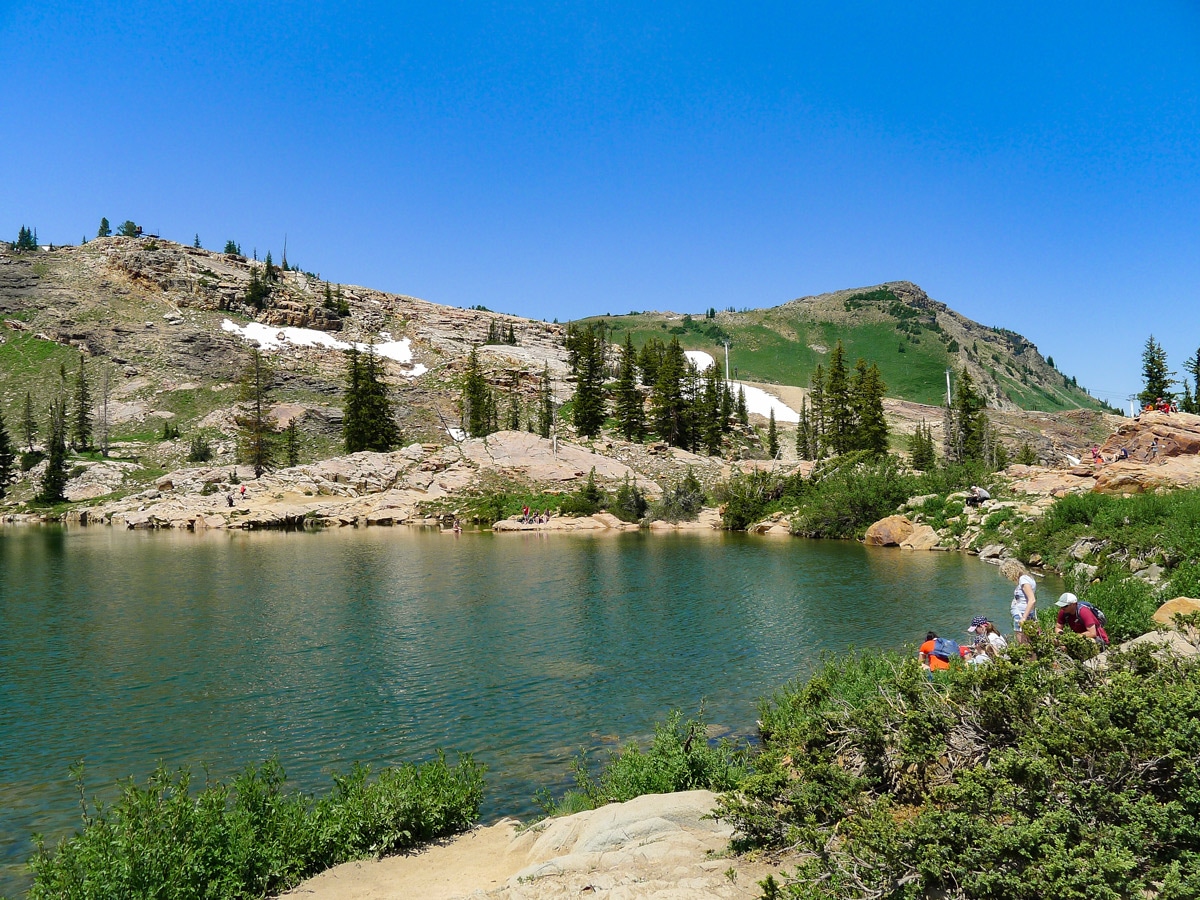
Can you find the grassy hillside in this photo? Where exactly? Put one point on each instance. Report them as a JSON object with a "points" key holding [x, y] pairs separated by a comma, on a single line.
{"points": [[911, 338]]}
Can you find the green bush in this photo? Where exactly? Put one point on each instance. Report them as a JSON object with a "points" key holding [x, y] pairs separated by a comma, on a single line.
{"points": [[200, 450], [250, 838], [849, 493], [1036, 778], [679, 758], [629, 505], [586, 501], [31, 458], [682, 501]]}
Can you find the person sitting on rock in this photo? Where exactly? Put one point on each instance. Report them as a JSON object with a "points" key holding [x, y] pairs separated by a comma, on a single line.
{"points": [[1124, 454], [976, 495], [1080, 619]]}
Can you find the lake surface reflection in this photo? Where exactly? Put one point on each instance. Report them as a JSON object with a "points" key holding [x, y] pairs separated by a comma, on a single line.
{"points": [[123, 649]]}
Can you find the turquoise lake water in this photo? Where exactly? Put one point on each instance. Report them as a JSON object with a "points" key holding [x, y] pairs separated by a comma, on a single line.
{"points": [[381, 645]]}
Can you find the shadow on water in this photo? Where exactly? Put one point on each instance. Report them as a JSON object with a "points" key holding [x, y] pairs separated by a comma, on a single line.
{"points": [[125, 648]]}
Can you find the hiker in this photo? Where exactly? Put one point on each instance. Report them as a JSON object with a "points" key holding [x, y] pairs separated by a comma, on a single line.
{"points": [[989, 642], [1081, 618], [976, 495], [1023, 601], [1097, 459], [936, 652], [1124, 454], [1154, 450]]}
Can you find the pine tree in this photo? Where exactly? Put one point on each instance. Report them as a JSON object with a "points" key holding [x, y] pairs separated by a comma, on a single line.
{"points": [[476, 399], [649, 359], [8, 457], [742, 414], [258, 290], [772, 436], [257, 436], [866, 392], [54, 479], [128, 228], [1155, 377], [668, 405], [709, 424], [81, 433], [196, 241], [1192, 367], [514, 410], [29, 423], [354, 417], [804, 433], [233, 248], [967, 423], [545, 404], [105, 229], [382, 433], [816, 399], [293, 444], [26, 241], [920, 447], [629, 407], [588, 370], [839, 416]]}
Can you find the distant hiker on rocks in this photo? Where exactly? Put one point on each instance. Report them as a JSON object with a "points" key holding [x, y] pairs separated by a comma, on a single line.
{"points": [[243, 492], [1081, 618], [976, 495], [1154, 450]]}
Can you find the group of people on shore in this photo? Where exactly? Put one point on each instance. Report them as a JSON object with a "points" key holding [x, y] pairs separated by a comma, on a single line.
{"points": [[534, 517], [988, 643]]}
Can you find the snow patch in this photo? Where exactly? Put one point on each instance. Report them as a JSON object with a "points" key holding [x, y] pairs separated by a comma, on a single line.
{"points": [[270, 337], [700, 359], [760, 402]]}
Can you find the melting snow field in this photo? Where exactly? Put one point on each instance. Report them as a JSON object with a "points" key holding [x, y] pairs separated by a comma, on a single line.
{"points": [[757, 400], [271, 337]]}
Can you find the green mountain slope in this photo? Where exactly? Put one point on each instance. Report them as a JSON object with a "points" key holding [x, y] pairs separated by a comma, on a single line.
{"points": [[912, 338]]}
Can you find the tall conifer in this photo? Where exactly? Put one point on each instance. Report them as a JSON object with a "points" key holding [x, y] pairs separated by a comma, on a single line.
{"points": [[81, 433], [8, 456], [29, 425], [629, 407], [54, 479]]}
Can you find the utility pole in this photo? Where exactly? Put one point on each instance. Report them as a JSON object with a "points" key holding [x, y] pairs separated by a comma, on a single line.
{"points": [[726, 360], [948, 402]]}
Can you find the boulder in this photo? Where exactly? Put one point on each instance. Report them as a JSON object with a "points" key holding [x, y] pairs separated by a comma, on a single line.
{"points": [[1182, 606], [889, 532], [923, 537]]}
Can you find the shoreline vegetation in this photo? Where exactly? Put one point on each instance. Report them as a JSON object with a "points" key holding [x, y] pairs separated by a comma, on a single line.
{"points": [[1038, 775]]}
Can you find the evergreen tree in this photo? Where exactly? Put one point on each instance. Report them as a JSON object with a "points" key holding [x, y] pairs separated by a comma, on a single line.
{"points": [[804, 433], [1027, 456], [920, 447], [258, 290], [196, 241], [514, 410], [866, 393], [630, 410], [233, 248], [742, 413], [1192, 367], [81, 434], [649, 359], [354, 416], [1187, 404], [816, 399], [29, 423], [588, 370], [477, 400], [709, 423], [839, 416], [270, 273], [8, 457], [382, 433], [26, 241], [128, 228], [772, 436], [969, 431], [257, 437], [105, 229], [54, 479], [727, 406], [292, 442], [545, 404], [511, 337], [668, 405], [1155, 377]]}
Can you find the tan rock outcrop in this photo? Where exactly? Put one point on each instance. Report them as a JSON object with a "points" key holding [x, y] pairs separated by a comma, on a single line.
{"points": [[923, 537], [1180, 606], [889, 532]]}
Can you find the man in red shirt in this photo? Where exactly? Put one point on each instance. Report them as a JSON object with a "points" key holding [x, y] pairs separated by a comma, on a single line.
{"points": [[1080, 619]]}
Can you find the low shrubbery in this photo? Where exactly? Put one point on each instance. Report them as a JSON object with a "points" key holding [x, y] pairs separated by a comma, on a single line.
{"points": [[1031, 778], [681, 501], [680, 758], [252, 837]]}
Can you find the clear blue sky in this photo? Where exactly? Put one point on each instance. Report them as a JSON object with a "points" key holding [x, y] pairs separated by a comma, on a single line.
{"points": [[1034, 165]]}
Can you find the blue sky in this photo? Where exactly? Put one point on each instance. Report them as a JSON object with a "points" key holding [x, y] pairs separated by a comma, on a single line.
{"points": [[1035, 166]]}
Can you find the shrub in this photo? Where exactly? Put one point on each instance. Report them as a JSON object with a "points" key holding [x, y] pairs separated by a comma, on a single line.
{"points": [[250, 838], [682, 501], [849, 493], [679, 758], [31, 458], [201, 449], [1035, 778], [586, 501], [629, 505]]}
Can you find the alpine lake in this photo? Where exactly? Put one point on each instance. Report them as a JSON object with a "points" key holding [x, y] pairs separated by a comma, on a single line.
{"points": [[213, 651]]}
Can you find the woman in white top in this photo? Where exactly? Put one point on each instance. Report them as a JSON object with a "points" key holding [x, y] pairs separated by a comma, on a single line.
{"points": [[1024, 598]]}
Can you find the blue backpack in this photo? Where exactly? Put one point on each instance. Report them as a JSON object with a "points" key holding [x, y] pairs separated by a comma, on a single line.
{"points": [[1100, 617], [945, 648]]}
